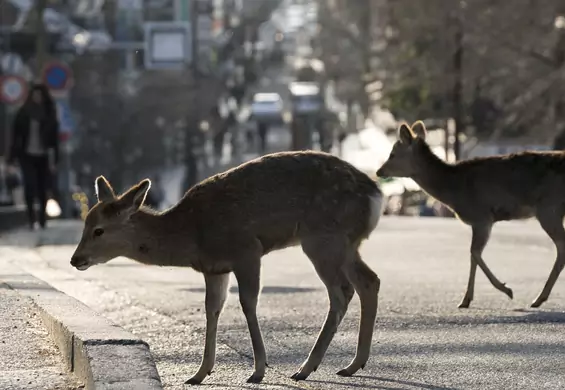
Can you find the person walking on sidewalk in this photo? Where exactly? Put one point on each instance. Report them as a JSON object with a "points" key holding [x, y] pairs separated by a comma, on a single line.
{"points": [[35, 145], [262, 129], [219, 130]]}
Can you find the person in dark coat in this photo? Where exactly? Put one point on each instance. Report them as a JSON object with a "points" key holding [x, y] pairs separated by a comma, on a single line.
{"points": [[35, 146]]}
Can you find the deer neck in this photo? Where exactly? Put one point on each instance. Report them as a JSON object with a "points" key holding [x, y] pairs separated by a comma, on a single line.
{"points": [[156, 239], [436, 177]]}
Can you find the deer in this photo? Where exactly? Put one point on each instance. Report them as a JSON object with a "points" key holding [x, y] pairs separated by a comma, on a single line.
{"points": [[485, 190], [226, 223]]}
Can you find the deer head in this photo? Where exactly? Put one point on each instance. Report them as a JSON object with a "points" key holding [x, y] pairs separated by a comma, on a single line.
{"points": [[403, 159], [108, 229]]}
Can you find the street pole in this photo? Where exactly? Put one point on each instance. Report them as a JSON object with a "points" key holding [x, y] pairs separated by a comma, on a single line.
{"points": [[193, 121], [7, 111], [458, 83], [40, 60], [40, 39]]}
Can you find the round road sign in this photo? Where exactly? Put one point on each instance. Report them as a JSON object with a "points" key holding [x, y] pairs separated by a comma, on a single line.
{"points": [[13, 89], [57, 76]]}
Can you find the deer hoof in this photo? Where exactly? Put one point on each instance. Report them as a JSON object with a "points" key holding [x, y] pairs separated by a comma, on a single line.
{"points": [[538, 302], [255, 378], [193, 381], [299, 376], [464, 303], [344, 372]]}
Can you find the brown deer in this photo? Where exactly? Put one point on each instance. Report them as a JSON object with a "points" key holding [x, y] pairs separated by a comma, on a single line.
{"points": [[483, 191], [228, 222]]}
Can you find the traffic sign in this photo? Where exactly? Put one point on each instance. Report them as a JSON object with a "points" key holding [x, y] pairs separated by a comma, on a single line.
{"points": [[168, 45], [13, 89], [57, 76]]}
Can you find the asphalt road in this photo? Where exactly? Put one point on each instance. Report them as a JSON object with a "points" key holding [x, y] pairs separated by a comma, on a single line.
{"points": [[422, 341]]}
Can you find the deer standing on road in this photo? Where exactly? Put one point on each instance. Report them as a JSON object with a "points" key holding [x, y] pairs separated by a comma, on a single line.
{"points": [[483, 191], [228, 222]]}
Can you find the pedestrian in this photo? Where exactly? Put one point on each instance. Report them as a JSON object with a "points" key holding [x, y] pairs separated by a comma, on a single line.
{"points": [[35, 146], [231, 126], [262, 129], [219, 130]]}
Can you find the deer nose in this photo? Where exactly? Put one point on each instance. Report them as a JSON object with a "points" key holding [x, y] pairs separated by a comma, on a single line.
{"points": [[77, 260]]}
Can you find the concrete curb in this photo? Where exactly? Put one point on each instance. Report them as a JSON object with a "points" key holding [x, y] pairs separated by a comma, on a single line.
{"points": [[102, 355], [12, 217]]}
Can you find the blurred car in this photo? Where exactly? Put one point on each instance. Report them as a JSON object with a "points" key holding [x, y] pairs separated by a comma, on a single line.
{"points": [[267, 108]]}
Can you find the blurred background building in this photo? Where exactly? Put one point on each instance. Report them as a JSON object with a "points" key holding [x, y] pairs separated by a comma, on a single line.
{"points": [[182, 89]]}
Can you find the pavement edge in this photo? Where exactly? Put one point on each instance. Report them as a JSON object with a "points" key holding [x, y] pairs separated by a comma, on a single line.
{"points": [[101, 354]]}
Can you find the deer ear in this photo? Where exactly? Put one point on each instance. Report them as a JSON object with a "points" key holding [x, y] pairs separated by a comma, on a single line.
{"points": [[405, 135], [104, 191], [135, 196], [419, 129]]}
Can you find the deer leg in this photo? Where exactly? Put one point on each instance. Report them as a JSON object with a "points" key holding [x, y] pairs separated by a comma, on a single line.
{"points": [[328, 264], [216, 294], [366, 284], [481, 234], [249, 283], [470, 286], [552, 224]]}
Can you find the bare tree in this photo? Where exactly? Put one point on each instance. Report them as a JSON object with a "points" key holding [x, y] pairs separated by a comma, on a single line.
{"points": [[498, 65]]}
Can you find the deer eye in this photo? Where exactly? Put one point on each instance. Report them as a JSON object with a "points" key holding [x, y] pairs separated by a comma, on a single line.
{"points": [[98, 232]]}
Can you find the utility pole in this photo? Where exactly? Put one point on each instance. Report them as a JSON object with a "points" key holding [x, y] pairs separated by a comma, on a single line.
{"points": [[457, 97], [40, 39], [192, 129], [40, 60]]}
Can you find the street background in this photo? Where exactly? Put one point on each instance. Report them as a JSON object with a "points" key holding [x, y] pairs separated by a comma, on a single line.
{"points": [[177, 91]]}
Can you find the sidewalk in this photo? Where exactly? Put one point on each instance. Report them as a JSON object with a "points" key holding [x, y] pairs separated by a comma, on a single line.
{"points": [[45, 333], [58, 232], [29, 358]]}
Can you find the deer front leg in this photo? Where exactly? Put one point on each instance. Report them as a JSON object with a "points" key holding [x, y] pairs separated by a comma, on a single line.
{"points": [[481, 235], [216, 294], [249, 283]]}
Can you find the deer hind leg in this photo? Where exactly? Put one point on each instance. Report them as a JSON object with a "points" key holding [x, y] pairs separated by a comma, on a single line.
{"points": [[216, 294], [366, 284], [328, 256], [552, 223], [249, 282], [470, 286]]}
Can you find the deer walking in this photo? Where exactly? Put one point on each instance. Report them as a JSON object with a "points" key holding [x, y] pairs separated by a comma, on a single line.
{"points": [[228, 222], [483, 191]]}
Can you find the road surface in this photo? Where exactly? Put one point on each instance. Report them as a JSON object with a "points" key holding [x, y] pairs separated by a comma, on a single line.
{"points": [[421, 341]]}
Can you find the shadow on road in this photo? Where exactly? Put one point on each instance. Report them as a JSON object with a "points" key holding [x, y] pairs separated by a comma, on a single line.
{"points": [[364, 385], [529, 317], [244, 386], [265, 290]]}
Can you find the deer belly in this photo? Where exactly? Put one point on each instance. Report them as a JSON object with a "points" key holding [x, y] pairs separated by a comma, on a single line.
{"points": [[512, 212], [279, 236]]}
